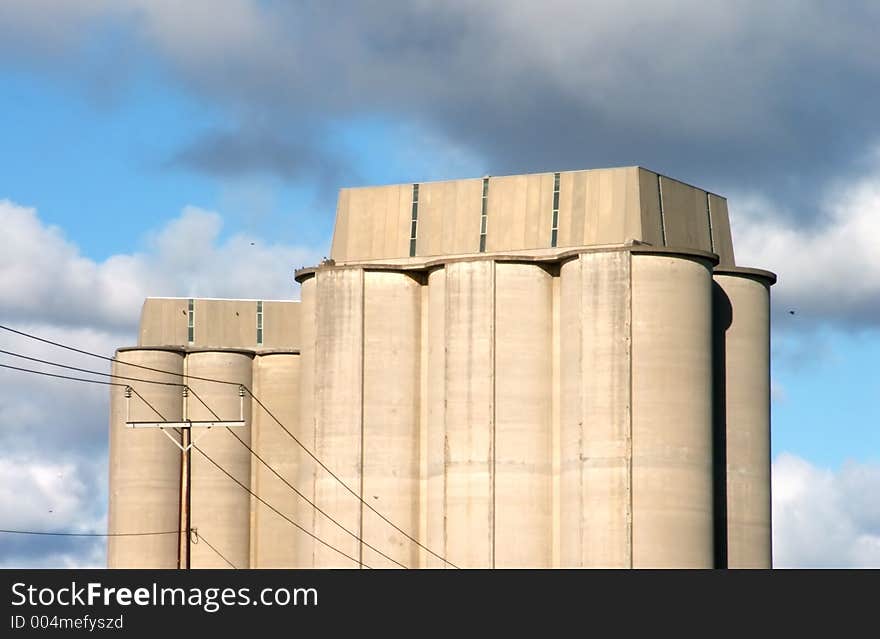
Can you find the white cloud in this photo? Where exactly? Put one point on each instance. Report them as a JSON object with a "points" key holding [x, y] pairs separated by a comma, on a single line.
{"points": [[587, 77], [41, 495], [38, 495], [44, 278], [823, 518], [829, 270], [53, 464]]}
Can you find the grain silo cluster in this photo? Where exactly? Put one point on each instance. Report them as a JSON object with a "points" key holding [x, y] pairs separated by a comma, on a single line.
{"points": [[549, 370]]}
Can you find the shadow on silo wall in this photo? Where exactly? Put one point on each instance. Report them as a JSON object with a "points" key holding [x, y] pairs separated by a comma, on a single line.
{"points": [[722, 318]]}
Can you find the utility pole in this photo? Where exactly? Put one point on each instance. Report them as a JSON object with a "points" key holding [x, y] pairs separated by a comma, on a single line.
{"points": [[185, 444], [183, 562]]}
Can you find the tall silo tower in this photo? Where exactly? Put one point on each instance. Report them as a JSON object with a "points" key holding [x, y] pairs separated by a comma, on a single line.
{"points": [[559, 369]]}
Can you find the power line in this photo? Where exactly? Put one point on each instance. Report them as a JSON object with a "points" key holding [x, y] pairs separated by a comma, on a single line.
{"points": [[89, 534], [135, 534], [200, 538], [294, 489], [86, 370], [263, 501], [216, 416], [111, 359], [75, 379], [275, 510], [345, 485], [260, 499], [265, 409], [81, 379]]}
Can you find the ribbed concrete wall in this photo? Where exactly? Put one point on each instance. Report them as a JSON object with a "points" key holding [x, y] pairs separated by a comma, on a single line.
{"points": [[595, 411], [338, 412], [144, 465], [470, 413], [435, 397], [218, 323], [473, 357], [221, 509], [672, 412], [391, 380], [506, 412], [523, 526], [742, 319], [304, 428], [273, 540]]}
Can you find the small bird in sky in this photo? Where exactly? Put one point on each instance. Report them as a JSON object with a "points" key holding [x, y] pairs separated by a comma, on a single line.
{"points": [[791, 312]]}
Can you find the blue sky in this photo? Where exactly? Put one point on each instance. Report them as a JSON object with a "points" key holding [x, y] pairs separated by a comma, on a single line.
{"points": [[127, 128], [100, 169], [824, 408]]}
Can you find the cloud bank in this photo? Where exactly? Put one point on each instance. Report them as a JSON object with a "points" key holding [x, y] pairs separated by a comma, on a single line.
{"points": [[823, 518], [44, 278], [53, 444], [829, 271], [775, 96]]}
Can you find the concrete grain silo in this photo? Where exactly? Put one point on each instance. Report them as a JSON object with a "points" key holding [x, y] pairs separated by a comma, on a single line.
{"points": [[144, 464], [742, 359], [275, 380], [220, 507], [551, 370]]}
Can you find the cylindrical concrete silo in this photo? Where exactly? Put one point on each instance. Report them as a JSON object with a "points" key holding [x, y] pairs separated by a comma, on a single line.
{"points": [[742, 359], [306, 467], [470, 413], [391, 381], [523, 525], [594, 484], [435, 396], [144, 464], [672, 477], [220, 507], [276, 383], [338, 413]]}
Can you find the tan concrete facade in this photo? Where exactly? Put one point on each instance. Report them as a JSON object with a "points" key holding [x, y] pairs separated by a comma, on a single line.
{"points": [[219, 323], [599, 403], [595, 207]]}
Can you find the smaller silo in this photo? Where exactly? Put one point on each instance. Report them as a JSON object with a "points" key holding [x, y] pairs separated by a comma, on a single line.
{"points": [[144, 463], [220, 507], [742, 416], [273, 540]]}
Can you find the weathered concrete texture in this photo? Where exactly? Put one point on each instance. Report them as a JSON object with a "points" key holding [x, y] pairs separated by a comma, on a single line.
{"points": [[276, 383], [527, 406], [595, 411], [144, 465], [449, 217], [304, 430], [338, 413], [649, 201], [163, 321], [742, 316], [435, 453], [722, 243], [392, 358], [596, 208], [685, 215], [221, 509], [519, 211], [523, 531], [219, 323], [389, 209], [672, 412], [470, 414], [599, 207]]}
